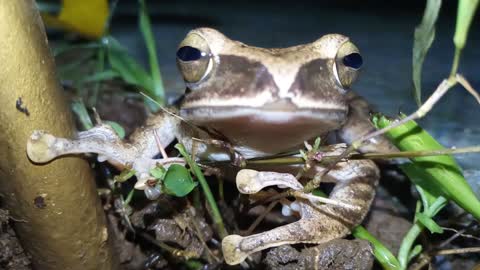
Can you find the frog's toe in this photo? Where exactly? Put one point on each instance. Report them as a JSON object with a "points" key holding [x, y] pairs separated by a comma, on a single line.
{"points": [[40, 147], [231, 249], [251, 181]]}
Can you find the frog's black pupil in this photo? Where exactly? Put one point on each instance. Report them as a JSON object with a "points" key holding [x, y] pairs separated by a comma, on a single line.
{"points": [[187, 53], [353, 60]]}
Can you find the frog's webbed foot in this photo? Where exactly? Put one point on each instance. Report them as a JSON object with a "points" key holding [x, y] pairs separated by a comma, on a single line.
{"points": [[43, 147], [356, 181]]}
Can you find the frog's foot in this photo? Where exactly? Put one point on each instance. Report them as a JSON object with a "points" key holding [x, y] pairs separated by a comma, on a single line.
{"points": [[356, 181], [43, 147]]}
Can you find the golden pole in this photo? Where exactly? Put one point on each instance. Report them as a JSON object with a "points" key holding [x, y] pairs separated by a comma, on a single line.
{"points": [[57, 213]]}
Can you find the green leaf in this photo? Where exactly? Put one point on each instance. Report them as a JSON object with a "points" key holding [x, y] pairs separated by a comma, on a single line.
{"points": [[78, 107], [101, 76], [466, 11], [438, 175], [423, 39], [117, 127], [429, 223], [146, 29], [178, 181], [414, 252], [158, 172], [128, 68], [124, 175], [129, 197], [428, 190], [381, 253]]}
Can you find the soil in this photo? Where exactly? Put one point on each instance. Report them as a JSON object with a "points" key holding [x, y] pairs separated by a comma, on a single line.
{"points": [[12, 255]]}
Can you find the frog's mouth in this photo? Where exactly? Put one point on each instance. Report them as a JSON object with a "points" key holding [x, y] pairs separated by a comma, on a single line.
{"points": [[263, 115], [265, 129]]}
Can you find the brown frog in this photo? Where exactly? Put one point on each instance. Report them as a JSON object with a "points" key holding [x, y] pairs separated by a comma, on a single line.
{"points": [[260, 102]]}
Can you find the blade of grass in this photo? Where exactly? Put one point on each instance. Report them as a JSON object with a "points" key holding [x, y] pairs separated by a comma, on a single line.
{"points": [[216, 216], [381, 253], [466, 11], [78, 107], [129, 69], [146, 29], [423, 39]]}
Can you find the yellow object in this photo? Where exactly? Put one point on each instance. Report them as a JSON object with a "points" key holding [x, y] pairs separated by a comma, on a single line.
{"points": [[55, 208], [86, 17]]}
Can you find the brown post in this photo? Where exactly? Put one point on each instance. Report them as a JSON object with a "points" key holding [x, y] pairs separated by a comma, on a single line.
{"points": [[57, 213]]}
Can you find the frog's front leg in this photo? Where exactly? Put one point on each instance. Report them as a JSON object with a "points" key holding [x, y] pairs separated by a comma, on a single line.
{"points": [[358, 124], [138, 152], [355, 185]]}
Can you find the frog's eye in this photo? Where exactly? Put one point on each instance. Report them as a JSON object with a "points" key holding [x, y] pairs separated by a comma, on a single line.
{"points": [[194, 59], [353, 60], [347, 64]]}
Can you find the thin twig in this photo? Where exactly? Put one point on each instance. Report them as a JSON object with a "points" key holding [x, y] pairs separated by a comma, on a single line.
{"points": [[457, 251], [159, 144], [468, 87], [387, 155], [260, 218], [457, 234]]}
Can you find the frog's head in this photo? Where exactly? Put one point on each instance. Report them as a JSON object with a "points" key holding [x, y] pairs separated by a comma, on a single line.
{"points": [[233, 85]]}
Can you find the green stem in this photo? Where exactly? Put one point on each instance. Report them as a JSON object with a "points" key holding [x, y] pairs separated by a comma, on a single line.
{"points": [[456, 61], [381, 253], [407, 244], [92, 100], [216, 216]]}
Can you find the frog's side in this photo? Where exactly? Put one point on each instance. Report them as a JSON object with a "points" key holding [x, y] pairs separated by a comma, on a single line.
{"points": [[260, 101]]}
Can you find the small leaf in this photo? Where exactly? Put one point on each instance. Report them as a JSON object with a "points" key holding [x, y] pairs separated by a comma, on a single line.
{"points": [[158, 172], [178, 181], [117, 127], [316, 144], [124, 175], [414, 252], [423, 39], [429, 223]]}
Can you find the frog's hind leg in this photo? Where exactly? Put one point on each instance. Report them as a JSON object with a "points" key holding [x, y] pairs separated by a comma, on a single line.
{"points": [[356, 182]]}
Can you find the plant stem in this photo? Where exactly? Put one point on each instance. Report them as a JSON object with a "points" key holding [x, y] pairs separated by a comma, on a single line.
{"points": [[382, 254], [456, 61], [391, 155], [216, 216], [407, 244]]}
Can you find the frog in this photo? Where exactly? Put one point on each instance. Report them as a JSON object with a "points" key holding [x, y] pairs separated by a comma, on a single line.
{"points": [[257, 102]]}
